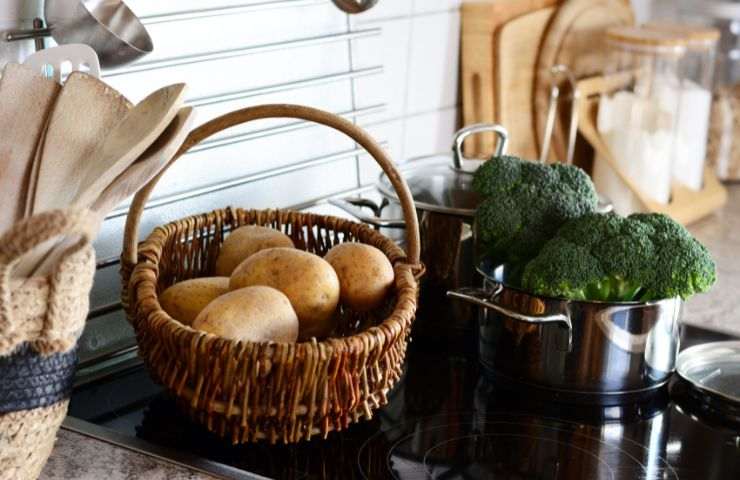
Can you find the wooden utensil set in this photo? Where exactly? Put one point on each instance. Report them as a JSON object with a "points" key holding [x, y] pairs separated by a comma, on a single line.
{"points": [[81, 144]]}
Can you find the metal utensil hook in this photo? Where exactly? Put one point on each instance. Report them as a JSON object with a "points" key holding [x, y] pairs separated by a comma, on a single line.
{"points": [[556, 73]]}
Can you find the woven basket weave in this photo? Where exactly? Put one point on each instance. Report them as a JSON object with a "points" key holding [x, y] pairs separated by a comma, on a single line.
{"points": [[246, 391], [41, 319]]}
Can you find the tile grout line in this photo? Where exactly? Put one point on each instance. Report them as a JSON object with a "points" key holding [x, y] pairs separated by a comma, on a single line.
{"points": [[353, 95]]}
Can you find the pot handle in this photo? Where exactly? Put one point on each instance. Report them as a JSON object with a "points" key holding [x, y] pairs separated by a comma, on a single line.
{"points": [[489, 299], [458, 159]]}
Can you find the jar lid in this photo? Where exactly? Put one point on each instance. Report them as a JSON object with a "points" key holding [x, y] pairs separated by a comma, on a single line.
{"points": [[444, 183], [695, 34], [643, 37], [712, 371]]}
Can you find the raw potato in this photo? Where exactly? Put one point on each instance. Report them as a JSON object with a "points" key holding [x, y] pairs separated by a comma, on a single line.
{"points": [[365, 274], [306, 279], [184, 300], [256, 314], [246, 241]]}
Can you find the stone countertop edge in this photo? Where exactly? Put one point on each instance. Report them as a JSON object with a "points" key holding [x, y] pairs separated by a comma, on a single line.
{"points": [[80, 457]]}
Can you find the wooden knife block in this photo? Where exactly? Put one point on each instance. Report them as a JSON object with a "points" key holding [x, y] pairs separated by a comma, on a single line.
{"points": [[686, 205]]}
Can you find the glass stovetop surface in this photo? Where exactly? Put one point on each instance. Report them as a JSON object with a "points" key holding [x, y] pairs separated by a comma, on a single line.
{"points": [[445, 420]]}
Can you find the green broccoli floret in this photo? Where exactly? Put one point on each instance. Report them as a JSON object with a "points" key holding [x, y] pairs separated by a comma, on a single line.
{"points": [[525, 203], [611, 258]]}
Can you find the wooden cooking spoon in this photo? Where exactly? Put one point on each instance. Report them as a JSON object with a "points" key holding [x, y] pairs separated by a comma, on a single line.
{"points": [[85, 113], [26, 99]]}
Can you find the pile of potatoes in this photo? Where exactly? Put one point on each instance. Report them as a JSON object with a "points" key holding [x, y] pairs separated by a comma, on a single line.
{"points": [[267, 290]]}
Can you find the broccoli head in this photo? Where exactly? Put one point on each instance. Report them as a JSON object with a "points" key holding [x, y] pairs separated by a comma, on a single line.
{"points": [[612, 258], [525, 203]]}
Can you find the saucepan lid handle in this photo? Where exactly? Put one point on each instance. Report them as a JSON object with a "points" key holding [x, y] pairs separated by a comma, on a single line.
{"points": [[458, 159]]}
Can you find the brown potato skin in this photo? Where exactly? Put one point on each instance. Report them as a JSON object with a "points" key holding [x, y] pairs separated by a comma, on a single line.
{"points": [[255, 314], [184, 300], [365, 275], [246, 241], [308, 281]]}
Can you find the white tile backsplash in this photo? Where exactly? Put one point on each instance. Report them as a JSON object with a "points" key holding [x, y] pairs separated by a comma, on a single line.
{"points": [[211, 167], [429, 133], [392, 133], [243, 29], [426, 6], [434, 62], [237, 73], [145, 8], [391, 50]]}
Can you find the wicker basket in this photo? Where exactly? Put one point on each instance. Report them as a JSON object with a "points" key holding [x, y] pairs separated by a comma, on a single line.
{"points": [[41, 319], [246, 391]]}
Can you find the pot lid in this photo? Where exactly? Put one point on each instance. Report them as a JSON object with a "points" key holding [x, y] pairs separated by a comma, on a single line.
{"points": [[712, 372], [443, 183]]}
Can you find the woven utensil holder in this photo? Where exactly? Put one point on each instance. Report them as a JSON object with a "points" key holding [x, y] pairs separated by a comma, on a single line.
{"points": [[41, 319], [286, 392]]}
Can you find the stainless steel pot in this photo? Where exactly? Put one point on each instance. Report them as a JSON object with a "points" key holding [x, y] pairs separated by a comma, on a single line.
{"points": [[583, 351], [445, 201]]}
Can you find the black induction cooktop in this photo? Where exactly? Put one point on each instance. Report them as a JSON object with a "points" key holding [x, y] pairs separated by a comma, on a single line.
{"points": [[445, 420]]}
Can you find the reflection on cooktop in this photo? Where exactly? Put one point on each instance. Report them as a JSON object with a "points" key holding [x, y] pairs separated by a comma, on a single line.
{"points": [[445, 421], [513, 447]]}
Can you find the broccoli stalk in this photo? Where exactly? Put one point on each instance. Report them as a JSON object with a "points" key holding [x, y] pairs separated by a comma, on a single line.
{"points": [[606, 257], [525, 203]]}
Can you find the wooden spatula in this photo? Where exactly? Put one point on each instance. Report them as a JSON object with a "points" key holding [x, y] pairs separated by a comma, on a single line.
{"points": [[139, 128], [26, 99], [132, 179], [148, 165], [128, 141], [85, 113]]}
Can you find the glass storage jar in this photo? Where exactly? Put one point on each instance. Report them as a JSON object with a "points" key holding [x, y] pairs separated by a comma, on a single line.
{"points": [[639, 120], [723, 149], [697, 67]]}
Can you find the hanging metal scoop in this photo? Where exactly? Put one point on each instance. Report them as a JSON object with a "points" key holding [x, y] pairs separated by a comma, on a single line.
{"points": [[556, 72], [108, 26], [355, 6]]}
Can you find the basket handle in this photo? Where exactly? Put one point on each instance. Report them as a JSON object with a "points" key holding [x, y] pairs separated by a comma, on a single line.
{"points": [[131, 232], [31, 232]]}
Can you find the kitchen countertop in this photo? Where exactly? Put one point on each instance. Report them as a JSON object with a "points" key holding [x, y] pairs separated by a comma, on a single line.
{"points": [[720, 308], [81, 457]]}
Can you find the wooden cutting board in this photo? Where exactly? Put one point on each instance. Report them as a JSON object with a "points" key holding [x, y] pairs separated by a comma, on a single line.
{"points": [[480, 21], [26, 100], [574, 38], [516, 57]]}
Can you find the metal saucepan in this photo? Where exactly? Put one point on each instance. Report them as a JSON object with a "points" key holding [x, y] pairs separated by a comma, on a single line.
{"points": [[592, 352], [108, 26], [445, 201]]}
